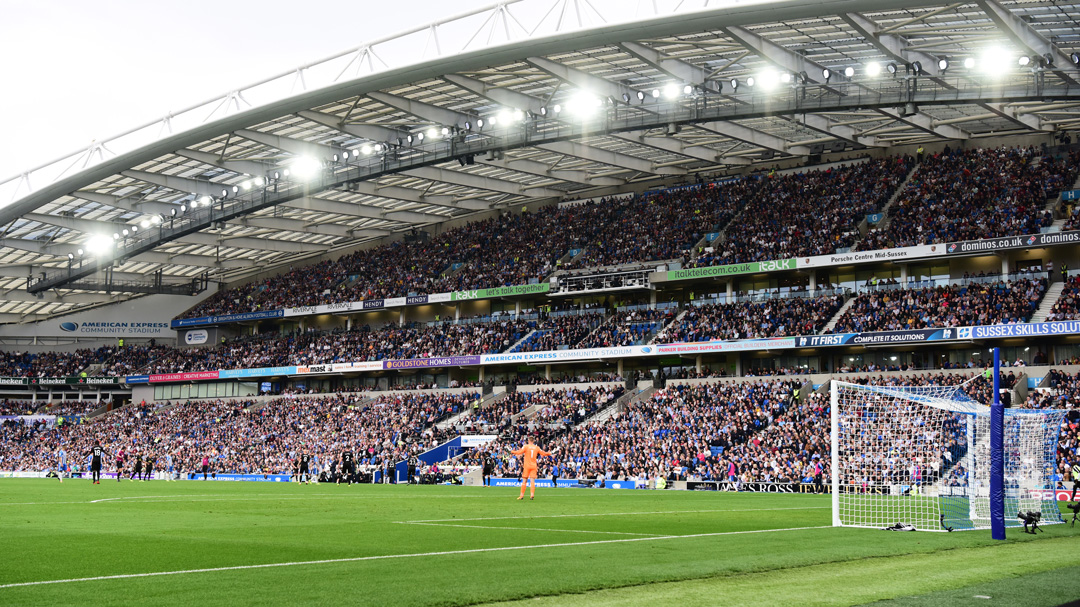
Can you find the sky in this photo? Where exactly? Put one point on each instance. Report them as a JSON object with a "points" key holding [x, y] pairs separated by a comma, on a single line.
{"points": [[73, 71]]}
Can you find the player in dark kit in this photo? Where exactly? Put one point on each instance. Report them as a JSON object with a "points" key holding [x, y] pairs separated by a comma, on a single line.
{"points": [[305, 461], [95, 461], [148, 473], [488, 467], [348, 466], [137, 472]]}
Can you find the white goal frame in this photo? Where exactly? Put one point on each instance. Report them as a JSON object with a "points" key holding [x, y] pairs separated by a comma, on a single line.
{"points": [[933, 471]]}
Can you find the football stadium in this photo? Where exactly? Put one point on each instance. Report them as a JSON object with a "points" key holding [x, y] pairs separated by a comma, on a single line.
{"points": [[565, 302]]}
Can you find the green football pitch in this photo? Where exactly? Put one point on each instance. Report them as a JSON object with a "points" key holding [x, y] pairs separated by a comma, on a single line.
{"points": [[234, 543]]}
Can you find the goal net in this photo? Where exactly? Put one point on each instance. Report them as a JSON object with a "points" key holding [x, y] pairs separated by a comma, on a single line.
{"points": [[921, 456]]}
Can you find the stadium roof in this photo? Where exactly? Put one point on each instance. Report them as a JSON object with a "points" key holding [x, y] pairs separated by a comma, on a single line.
{"points": [[638, 100]]}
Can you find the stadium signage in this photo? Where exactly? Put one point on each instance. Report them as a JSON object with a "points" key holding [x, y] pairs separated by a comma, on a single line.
{"points": [[196, 337], [213, 320], [413, 300], [1069, 327], [733, 270], [727, 346], [444, 361], [855, 257], [567, 355], [58, 381], [1013, 242], [167, 377], [261, 372], [541, 287], [314, 369], [370, 304], [137, 379], [375, 365], [1067, 195]]}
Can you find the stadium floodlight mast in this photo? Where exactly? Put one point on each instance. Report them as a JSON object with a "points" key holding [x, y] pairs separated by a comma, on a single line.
{"points": [[931, 458]]}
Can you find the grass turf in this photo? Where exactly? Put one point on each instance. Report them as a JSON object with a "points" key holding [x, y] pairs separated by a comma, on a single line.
{"points": [[458, 546]]}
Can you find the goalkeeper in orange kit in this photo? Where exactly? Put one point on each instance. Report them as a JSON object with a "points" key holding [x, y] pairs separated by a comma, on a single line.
{"points": [[528, 469]]}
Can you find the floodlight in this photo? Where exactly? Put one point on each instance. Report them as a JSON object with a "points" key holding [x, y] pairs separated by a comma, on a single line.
{"points": [[916, 66], [98, 243], [305, 167], [71, 256], [734, 84], [479, 123], [969, 63], [826, 74], [687, 89], [849, 72], [671, 91], [750, 81], [445, 131], [655, 93], [432, 134], [125, 233], [891, 68], [943, 64], [641, 94], [1075, 58]]}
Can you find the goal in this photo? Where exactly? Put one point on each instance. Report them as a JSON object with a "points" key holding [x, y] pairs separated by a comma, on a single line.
{"points": [[921, 456]]}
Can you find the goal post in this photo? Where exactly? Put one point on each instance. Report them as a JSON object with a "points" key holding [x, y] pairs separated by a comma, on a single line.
{"points": [[922, 456]]}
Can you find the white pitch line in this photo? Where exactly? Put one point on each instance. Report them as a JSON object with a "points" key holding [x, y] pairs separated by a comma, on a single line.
{"points": [[139, 497], [531, 529], [399, 556], [506, 518]]}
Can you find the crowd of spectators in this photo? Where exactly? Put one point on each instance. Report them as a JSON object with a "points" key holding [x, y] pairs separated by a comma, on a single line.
{"points": [[945, 306], [778, 216], [974, 194], [245, 436], [811, 213], [664, 225], [676, 431], [628, 328], [1067, 307], [49, 364], [772, 318], [560, 332], [551, 406]]}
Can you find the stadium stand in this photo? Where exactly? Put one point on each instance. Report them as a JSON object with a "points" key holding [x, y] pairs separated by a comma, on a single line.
{"points": [[974, 194], [810, 213], [247, 436], [773, 318], [886, 309]]}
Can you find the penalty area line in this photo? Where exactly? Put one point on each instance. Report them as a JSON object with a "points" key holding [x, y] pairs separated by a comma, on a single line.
{"points": [[359, 559]]}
